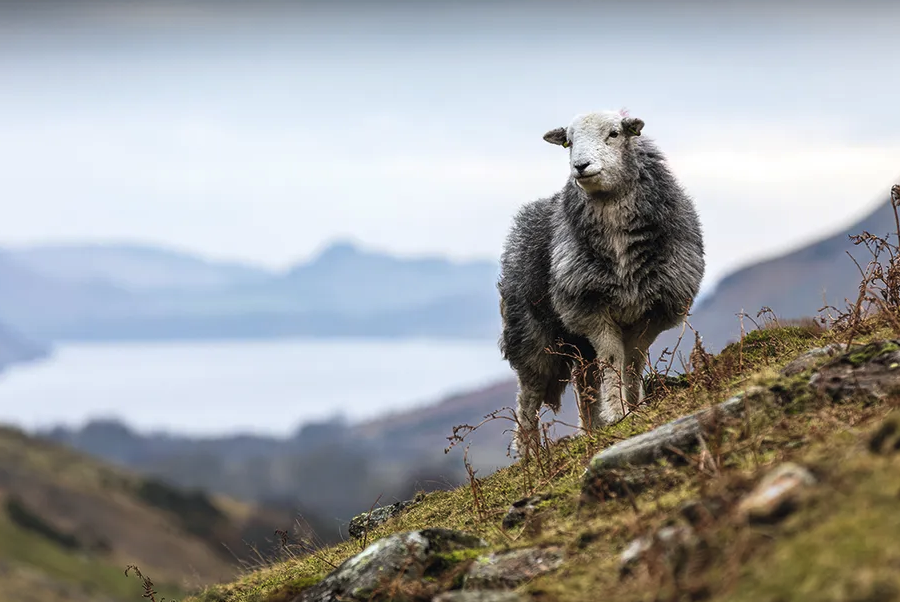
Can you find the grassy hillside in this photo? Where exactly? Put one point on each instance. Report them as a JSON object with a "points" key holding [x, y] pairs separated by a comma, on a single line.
{"points": [[840, 545], [69, 526]]}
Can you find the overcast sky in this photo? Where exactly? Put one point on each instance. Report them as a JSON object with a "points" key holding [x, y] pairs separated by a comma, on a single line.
{"points": [[257, 132]]}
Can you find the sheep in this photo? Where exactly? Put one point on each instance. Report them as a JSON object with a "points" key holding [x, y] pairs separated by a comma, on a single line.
{"points": [[605, 266]]}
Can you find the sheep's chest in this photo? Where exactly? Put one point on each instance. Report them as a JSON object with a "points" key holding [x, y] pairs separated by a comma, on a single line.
{"points": [[603, 264], [615, 243]]}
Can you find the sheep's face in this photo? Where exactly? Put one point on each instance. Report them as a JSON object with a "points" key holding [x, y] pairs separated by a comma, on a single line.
{"points": [[599, 149]]}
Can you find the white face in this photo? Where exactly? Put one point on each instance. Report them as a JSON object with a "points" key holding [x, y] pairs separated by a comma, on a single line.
{"points": [[597, 143]]}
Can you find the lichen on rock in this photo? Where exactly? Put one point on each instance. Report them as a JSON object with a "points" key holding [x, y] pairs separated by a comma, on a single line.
{"points": [[365, 522], [400, 557]]}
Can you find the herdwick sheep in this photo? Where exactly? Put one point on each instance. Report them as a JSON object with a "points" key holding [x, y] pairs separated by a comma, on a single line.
{"points": [[605, 265]]}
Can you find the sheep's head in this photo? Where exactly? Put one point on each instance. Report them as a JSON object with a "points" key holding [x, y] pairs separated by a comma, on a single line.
{"points": [[599, 149]]}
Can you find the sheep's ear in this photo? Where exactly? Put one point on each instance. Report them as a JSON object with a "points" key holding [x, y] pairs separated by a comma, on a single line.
{"points": [[633, 126], [557, 136]]}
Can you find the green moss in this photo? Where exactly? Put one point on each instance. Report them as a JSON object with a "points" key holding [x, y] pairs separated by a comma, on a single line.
{"points": [[457, 556], [866, 353], [768, 345]]}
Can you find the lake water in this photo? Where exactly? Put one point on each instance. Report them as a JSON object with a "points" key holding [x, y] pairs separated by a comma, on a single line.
{"points": [[266, 387]]}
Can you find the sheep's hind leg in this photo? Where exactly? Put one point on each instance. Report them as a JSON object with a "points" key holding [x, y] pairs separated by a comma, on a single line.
{"points": [[534, 392], [528, 404]]}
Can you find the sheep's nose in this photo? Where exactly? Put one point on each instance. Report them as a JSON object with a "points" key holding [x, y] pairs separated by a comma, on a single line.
{"points": [[580, 167]]}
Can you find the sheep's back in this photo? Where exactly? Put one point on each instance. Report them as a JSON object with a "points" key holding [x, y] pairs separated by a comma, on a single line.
{"points": [[525, 262]]}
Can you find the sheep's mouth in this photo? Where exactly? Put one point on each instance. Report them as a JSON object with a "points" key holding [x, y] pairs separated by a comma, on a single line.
{"points": [[586, 177]]}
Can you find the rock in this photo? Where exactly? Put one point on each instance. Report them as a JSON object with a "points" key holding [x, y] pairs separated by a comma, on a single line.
{"points": [[812, 357], [680, 434], [886, 439], [365, 522], [397, 558], [777, 494], [672, 544], [871, 370], [507, 570], [479, 596], [522, 509]]}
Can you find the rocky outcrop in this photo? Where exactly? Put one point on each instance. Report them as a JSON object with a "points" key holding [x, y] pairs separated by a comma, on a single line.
{"points": [[365, 522], [871, 370], [507, 570], [811, 358], [390, 564], [653, 445]]}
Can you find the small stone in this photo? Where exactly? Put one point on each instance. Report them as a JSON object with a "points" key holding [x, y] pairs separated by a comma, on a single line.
{"points": [[699, 512], [365, 522], [673, 543], [475, 595], [523, 509], [887, 438], [777, 494], [507, 570], [633, 554]]}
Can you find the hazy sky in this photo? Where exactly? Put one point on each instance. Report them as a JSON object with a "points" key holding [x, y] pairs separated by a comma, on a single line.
{"points": [[260, 132]]}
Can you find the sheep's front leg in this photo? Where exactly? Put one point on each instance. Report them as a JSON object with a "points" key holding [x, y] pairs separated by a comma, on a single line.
{"points": [[608, 343]]}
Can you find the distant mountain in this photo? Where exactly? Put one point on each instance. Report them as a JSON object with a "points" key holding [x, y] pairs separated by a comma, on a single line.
{"points": [[36, 305], [795, 284], [122, 292], [351, 281], [14, 348], [137, 268], [69, 525]]}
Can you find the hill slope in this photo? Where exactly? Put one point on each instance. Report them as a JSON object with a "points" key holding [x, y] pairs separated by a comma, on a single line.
{"points": [[794, 284], [134, 267], [696, 521], [69, 525]]}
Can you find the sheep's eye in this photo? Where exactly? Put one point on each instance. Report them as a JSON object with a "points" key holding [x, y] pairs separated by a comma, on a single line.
{"points": [[613, 134]]}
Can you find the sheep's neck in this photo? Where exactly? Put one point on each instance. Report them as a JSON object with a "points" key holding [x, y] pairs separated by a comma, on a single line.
{"points": [[610, 231]]}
